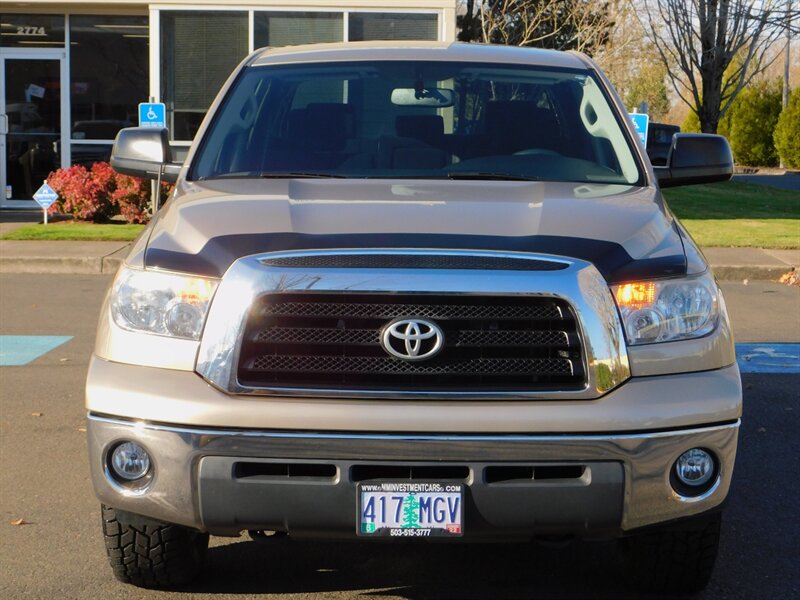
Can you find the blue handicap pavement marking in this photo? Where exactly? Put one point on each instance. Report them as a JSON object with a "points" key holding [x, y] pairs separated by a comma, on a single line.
{"points": [[18, 350], [152, 114], [45, 196], [768, 358]]}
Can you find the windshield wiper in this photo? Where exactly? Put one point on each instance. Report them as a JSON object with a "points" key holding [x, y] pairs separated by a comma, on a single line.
{"points": [[298, 175], [490, 176], [272, 175]]}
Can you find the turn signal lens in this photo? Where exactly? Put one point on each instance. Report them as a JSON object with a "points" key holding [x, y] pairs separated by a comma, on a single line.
{"points": [[636, 295]]}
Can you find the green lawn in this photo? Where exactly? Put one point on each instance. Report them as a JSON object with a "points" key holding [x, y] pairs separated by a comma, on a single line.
{"points": [[738, 214], [68, 230]]}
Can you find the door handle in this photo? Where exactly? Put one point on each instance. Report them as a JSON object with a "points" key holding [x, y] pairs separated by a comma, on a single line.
{"points": [[4, 126]]}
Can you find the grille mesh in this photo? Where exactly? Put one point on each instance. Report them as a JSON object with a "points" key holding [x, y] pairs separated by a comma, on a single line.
{"points": [[380, 365], [414, 261], [424, 311], [309, 335], [512, 338], [333, 341]]}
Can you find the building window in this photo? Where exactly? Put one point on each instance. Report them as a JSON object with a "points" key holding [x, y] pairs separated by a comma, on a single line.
{"points": [[31, 31], [108, 73], [294, 28], [199, 49], [393, 26]]}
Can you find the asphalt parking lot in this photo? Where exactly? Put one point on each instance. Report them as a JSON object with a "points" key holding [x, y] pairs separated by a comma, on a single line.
{"points": [[56, 552], [789, 180]]}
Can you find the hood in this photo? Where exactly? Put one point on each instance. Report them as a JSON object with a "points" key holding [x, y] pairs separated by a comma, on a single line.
{"points": [[624, 230]]}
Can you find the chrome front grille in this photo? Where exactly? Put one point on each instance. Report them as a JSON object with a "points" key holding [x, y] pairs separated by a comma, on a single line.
{"points": [[492, 343], [307, 323]]}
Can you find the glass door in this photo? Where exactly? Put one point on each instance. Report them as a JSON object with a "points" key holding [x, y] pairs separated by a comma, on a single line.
{"points": [[31, 111]]}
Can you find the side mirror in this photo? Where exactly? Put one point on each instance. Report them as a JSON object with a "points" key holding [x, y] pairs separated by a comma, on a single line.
{"points": [[696, 158], [144, 152]]}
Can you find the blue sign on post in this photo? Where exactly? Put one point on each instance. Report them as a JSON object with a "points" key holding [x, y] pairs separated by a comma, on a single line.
{"points": [[45, 196], [640, 121], [152, 114]]}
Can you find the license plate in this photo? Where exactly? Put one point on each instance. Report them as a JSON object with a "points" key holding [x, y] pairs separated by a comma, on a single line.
{"points": [[410, 509]]}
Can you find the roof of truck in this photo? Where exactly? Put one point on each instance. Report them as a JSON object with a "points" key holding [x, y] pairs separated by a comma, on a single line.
{"points": [[392, 50]]}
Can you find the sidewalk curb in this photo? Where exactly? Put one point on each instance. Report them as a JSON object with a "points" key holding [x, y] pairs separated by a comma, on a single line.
{"points": [[751, 273], [44, 262], [61, 266]]}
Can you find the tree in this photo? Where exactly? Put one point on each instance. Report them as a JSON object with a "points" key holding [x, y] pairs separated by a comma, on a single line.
{"points": [[631, 62], [787, 132], [468, 25], [698, 40], [692, 124], [753, 123], [649, 85], [582, 25]]}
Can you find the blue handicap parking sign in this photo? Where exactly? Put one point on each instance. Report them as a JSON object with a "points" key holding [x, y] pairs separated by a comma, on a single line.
{"points": [[640, 121], [45, 196], [152, 114]]}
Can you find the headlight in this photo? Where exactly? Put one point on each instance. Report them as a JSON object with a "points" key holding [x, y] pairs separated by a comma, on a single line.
{"points": [[669, 309], [161, 303]]}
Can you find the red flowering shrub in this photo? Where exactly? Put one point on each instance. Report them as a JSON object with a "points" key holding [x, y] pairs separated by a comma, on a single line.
{"points": [[104, 176], [132, 197], [99, 193], [80, 195]]}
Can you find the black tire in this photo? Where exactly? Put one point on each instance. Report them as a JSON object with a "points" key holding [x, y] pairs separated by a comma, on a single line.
{"points": [[152, 554], [676, 559]]}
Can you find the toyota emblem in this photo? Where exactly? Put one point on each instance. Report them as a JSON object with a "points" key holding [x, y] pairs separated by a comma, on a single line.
{"points": [[412, 339]]}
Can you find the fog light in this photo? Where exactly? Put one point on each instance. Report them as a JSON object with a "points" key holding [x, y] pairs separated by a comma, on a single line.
{"points": [[695, 467], [130, 461]]}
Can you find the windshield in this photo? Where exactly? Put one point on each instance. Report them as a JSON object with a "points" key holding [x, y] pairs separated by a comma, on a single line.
{"points": [[394, 119]]}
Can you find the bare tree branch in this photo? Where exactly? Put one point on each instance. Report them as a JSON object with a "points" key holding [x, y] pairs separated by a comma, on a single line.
{"points": [[563, 24], [713, 48]]}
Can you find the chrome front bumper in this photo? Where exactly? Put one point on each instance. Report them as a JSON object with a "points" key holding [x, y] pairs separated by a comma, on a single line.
{"points": [[625, 484]]}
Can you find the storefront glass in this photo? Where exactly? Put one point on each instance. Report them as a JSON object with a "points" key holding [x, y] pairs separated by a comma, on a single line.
{"points": [[294, 28], [109, 77], [68, 109], [199, 49], [32, 144], [393, 26]]}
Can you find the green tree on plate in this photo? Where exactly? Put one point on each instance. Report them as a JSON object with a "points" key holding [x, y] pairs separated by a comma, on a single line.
{"points": [[411, 512]]}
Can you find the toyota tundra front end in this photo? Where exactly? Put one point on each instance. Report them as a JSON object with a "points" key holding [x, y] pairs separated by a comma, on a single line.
{"points": [[421, 291]]}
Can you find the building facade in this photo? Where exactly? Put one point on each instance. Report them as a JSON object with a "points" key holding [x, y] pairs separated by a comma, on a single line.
{"points": [[73, 73]]}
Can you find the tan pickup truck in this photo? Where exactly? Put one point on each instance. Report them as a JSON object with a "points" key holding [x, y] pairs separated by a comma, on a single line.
{"points": [[415, 291]]}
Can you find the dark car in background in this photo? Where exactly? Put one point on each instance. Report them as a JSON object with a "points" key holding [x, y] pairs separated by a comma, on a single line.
{"points": [[85, 152], [659, 140]]}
